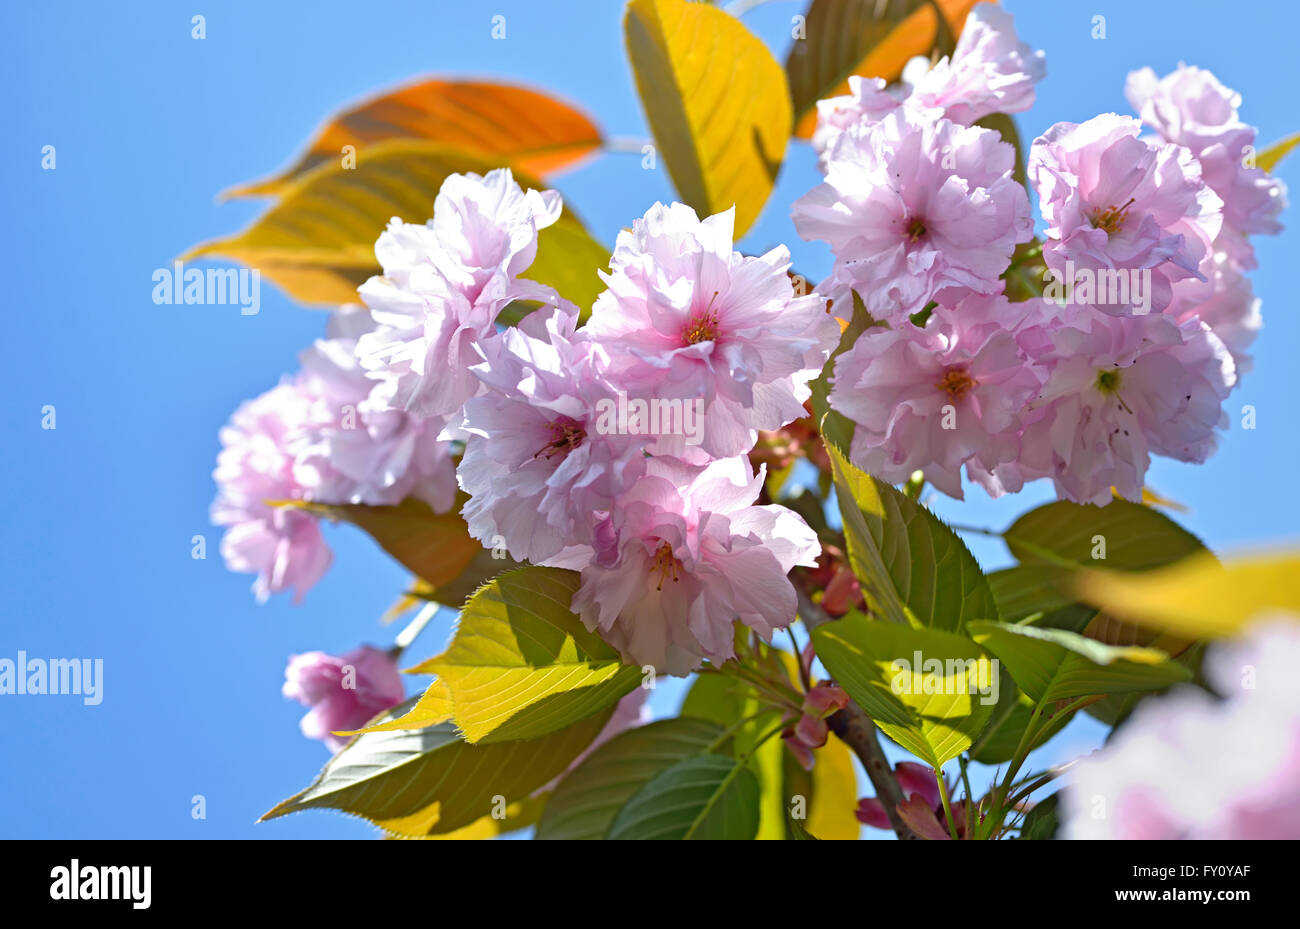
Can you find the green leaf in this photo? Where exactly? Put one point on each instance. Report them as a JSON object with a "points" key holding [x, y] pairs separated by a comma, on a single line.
{"points": [[998, 744], [586, 802], [1053, 664], [834, 426], [1040, 591], [702, 797], [869, 37], [318, 240], [484, 566], [434, 546], [428, 781], [911, 566], [1269, 157], [716, 101], [521, 664], [1130, 536], [1042, 821], [933, 711]]}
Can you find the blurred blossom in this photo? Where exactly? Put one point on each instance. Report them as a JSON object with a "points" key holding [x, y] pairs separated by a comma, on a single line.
{"points": [[344, 692], [1189, 766]]}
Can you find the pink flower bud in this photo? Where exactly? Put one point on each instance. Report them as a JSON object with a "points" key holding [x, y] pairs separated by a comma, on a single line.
{"points": [[802, 753], [344, 692], [842, 593], [823, 700]]}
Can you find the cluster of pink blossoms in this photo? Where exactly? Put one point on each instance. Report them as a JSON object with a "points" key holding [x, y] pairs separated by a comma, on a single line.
{"points": [[617, 448], [321, 436], [1146, 314]]}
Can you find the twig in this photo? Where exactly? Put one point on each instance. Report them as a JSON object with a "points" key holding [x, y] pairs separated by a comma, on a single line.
{"points": [[857, 730]]}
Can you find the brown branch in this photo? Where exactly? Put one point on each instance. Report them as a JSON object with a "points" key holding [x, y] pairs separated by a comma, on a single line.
{"points": [[857, 730]]}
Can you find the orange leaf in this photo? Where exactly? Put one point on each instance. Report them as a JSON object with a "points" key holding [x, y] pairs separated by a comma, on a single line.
{"points": [[847, 37], [524, 128]]}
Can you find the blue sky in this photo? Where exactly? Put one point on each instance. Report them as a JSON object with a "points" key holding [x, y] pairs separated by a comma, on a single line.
{"points": [[149, 124]]}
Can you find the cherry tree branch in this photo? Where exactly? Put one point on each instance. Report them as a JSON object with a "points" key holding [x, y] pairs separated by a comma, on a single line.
{"points": [[857, 730]]}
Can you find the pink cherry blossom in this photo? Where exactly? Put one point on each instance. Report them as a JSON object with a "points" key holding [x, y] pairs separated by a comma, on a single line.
{"points": [[357, 449], [1224, 301], [1191, 108], [1114, 201], [687, 318], [934, 398], [1186, 766], [869, 100], [281, 545], [991, 71], [538, 461], [1118, 390], [689, 556], [344, 692], [916, 210], [445, 283]]}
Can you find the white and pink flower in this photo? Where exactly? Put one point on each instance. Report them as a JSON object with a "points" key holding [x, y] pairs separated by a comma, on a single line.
{"points": [[1114, 201], [934, 398], [444, 285], [685, 317], [686, 555], [916, 210]]}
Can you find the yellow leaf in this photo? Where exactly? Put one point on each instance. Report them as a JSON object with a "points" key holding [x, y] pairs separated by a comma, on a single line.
{"points": [[421, 592], [1198, 597], [435, 546], [318, 240], [835, 793], [1269, 157], [874, 38], [498, 122], [716, 101], [433, 707]]}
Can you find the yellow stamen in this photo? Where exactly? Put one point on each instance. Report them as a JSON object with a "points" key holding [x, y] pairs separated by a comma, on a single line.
{"points": [[565, 437], [955, 382], [1111, 219], [704, 327], [665, 563]]}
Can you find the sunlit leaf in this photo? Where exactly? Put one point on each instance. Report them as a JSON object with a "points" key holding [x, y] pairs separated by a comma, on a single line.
{"points": [[318, 240], [429, 781], [869, 37], [435, 546], [911, 566], [521, 664], [431, 708], [716, 101], [497, 122], [1053, 664], [1199, 597], [1269, 157], [934, 710]]}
